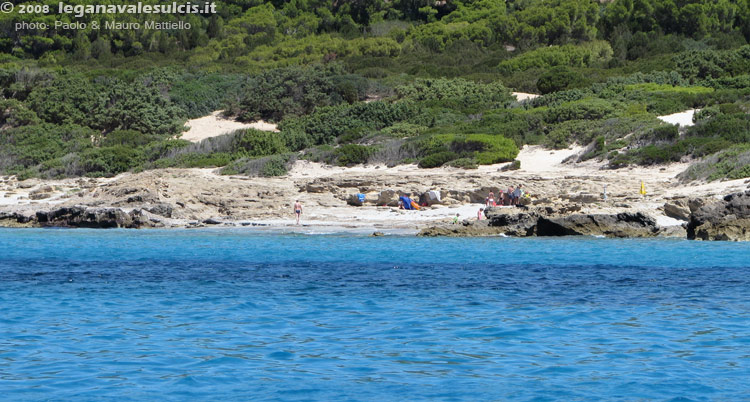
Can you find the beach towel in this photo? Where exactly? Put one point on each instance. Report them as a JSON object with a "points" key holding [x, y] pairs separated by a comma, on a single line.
{"points": [[361, 197], [406, 201], [434, 195]]}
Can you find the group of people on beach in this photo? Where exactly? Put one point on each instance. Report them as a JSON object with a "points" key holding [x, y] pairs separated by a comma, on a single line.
{"points": [[509, 197]]}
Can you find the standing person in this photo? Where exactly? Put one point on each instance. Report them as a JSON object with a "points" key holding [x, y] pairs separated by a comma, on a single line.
{"points": [[491, 200], [509, 194], [297, 209], [517, 194], [455, 220], [479, 214]]}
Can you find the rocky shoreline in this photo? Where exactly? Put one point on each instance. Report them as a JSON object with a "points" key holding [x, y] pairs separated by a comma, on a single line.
{"points": [[726, 219], [566, 202]]}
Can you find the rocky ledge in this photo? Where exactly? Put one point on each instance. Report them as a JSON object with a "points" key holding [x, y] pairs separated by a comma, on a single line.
{"points": [[728, 219], [725, 219], [524, 222], [82, 217]]}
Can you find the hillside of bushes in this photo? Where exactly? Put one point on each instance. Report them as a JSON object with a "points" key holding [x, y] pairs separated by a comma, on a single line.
{"points": [[390, 82]]}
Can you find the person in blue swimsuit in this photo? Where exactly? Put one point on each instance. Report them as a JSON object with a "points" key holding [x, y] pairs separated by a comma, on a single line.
{"points": [[297, 209]]}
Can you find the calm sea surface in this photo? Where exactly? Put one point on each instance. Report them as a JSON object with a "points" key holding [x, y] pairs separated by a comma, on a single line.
{"points": [[238, 315]]}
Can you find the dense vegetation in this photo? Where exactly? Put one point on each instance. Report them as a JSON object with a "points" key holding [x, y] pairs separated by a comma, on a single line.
{"points": [[402, 81]]}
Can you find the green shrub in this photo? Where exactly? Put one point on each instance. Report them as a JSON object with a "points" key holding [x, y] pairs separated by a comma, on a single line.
{"points": [[457, 93], [15, 114], [515, 165], [464, 163], [403, 130], [321, 154], [732, 163], [437, 159], [557, 98], [666, 88], [586, 109], [583, 55], [135, 106], [68, 100], [662, 105], [200, 94], [706, 113], [667, 132], [160, 149], [327, 124], [296, 91], [734, 128], [559, 78], [486, 149], [269, 166], [253, 142], [29, 146], [128, 138], [352, 154], [438, 36], [109, 161], [195, 160]]}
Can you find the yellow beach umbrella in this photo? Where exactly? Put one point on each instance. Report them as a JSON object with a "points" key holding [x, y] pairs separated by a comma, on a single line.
{"points": [[643, 188]]}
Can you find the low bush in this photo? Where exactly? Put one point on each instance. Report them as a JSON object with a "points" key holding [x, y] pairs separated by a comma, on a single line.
{"points": [[734, 128], [109, 161], [296, 91], [437, 159], [457, 94], [515, 165], [195, 160], [352, 154], [269, 166], [327, 124], [585, 109], [486, 149], [128, 138], [667, 132], [255, 143], [732, 163], [404, 130], [464, 163], [583, 55], [558, 79]]}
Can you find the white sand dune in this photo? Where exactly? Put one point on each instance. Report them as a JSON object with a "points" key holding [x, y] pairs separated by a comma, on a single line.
{"points": [[522, 96], [215, 125], [684, 119], [535, 158]]}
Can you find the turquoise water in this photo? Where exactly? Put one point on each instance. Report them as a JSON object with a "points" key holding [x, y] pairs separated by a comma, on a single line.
{"points": [[237, 315]]}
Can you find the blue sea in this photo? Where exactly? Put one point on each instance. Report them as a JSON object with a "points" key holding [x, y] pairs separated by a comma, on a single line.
{"points": [[247, 315]]}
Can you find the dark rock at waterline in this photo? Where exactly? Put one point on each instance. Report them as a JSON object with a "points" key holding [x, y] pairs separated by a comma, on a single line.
{"points": [[16, 219], [727, 219], [514, 224], [83, 217], [467, 228], [624, 224], [545, 222]]}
